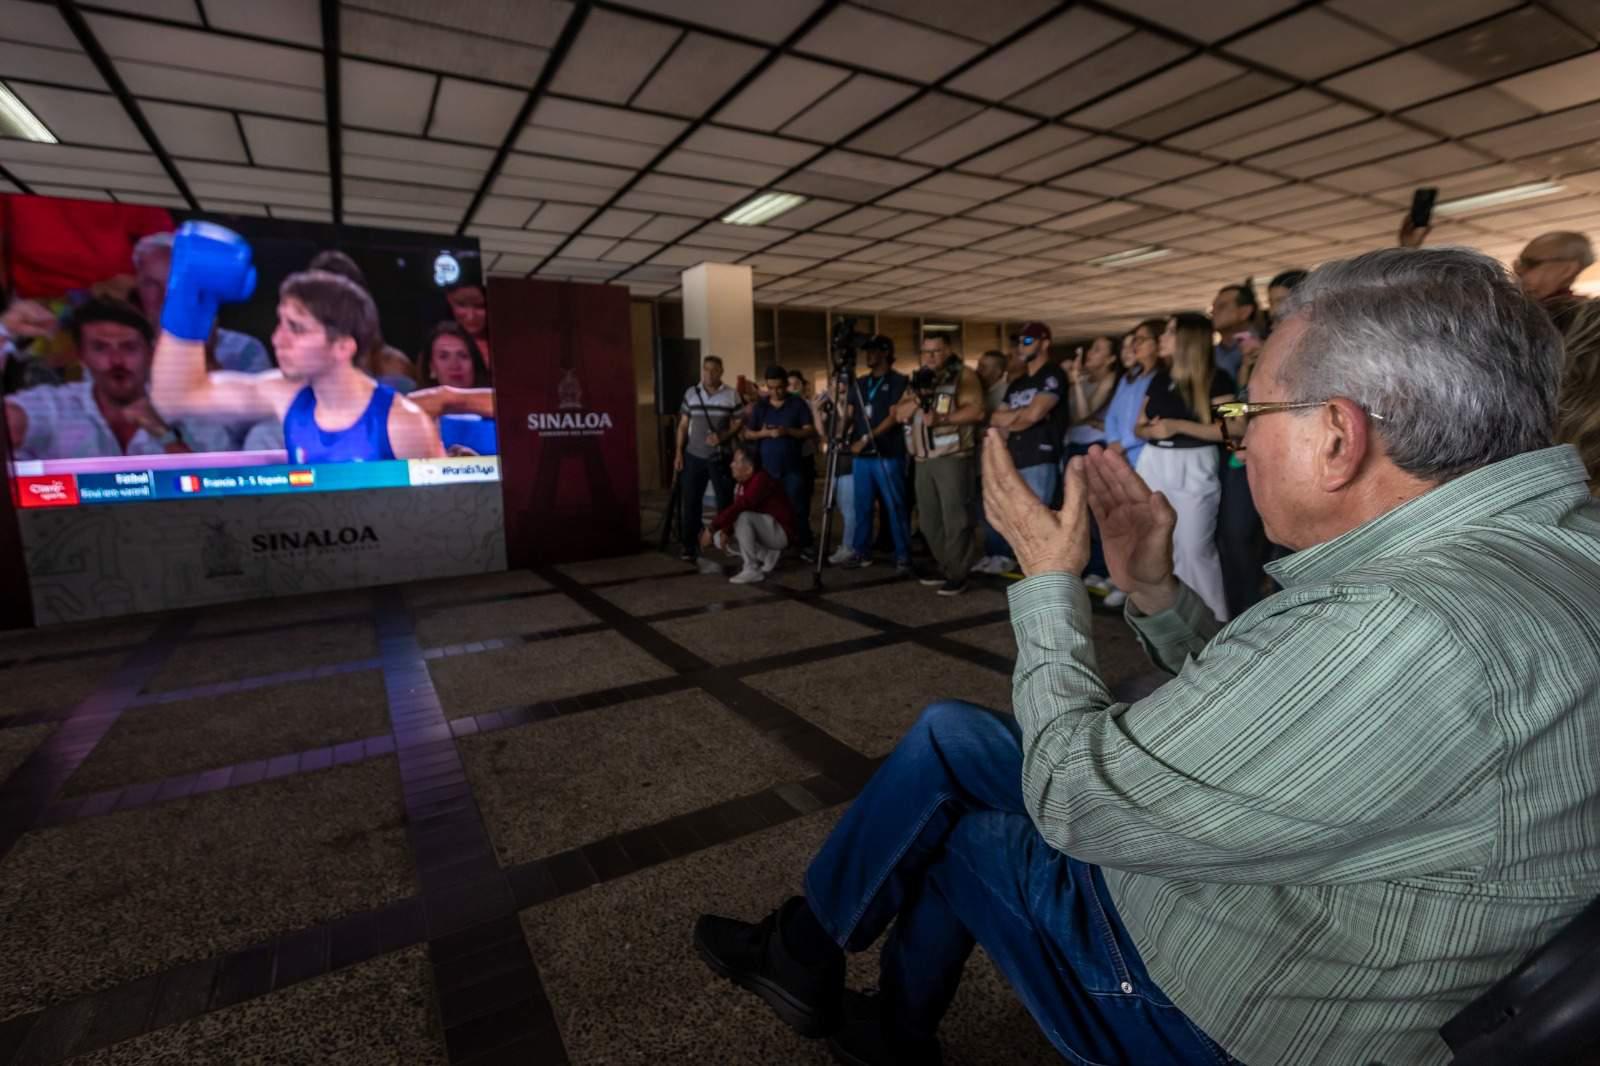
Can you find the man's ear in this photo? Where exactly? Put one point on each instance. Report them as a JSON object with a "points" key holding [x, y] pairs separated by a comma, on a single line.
{"points": [[345, 349], [1346, 442]]}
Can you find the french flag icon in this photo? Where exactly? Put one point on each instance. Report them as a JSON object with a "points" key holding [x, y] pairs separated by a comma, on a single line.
{"points": [[188, 483]]}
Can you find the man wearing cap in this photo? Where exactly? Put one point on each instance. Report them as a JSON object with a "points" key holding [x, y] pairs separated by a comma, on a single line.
{"points": [[879, 446], [1028, 418]]}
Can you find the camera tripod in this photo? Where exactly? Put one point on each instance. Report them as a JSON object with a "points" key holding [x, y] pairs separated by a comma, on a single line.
{"points": [[842, 420]]}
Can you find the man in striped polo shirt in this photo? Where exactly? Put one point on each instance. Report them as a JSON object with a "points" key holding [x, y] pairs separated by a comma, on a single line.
{"points": [[1349, 812], [708, 424]]}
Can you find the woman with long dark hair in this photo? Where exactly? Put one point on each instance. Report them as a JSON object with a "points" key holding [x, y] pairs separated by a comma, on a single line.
{"points": [[1180, 460], [457, 391]]}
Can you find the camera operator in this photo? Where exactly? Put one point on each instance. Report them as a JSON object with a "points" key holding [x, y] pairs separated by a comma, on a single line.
{"points": [[879, 447], [942, 409]]}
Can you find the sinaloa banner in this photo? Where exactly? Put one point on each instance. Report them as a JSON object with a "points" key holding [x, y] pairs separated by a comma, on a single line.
{"points": [[93, 562]]}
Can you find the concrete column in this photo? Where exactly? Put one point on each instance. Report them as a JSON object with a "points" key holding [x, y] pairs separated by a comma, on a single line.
{"points": [[719, 312]]}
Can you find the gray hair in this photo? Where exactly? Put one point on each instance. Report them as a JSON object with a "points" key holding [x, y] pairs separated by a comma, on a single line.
{"points": [[1441, 342], [151, 244], [1568, 245]]}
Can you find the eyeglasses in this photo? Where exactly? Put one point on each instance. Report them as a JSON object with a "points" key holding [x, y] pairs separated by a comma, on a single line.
{"points": [[1240, 414]]}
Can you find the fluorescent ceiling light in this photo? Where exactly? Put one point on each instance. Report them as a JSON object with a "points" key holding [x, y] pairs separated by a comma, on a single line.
{"points": [[1500, 196], [764, 208], [1133, 255], [18, 121]]}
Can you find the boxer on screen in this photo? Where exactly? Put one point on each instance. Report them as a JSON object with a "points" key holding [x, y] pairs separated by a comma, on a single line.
{"points": [[331, 412]]}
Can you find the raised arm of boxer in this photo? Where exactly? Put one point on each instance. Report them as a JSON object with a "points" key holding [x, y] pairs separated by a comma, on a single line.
{"points": [[210, 267]]}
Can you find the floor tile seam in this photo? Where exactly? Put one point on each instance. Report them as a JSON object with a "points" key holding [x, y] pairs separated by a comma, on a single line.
{"points": [[422, 610], [258, 681], [635, 630], [81, 730], [403, 656], [82, 1006], [75, 809], [269, 628], [503, 641], [67, 656], [617, 582]]}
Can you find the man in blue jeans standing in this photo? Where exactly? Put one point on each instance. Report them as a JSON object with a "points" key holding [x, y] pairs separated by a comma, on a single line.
{"points": [[780, 425], [879, 447], [1031, 419]]}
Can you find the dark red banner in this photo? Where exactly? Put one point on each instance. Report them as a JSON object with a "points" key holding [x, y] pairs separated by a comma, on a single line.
{"points": [[565, 401]]}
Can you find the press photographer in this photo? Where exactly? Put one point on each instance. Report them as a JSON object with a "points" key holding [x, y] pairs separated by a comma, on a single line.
{"points": [[941, 410]]}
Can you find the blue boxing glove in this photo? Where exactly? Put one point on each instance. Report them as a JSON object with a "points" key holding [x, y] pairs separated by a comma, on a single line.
{"points": [[210, 267]]}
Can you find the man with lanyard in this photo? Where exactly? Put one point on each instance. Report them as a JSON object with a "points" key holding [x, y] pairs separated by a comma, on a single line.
{"points": [[880, 450], [708, 424], [1029, 419], [943, 444]]}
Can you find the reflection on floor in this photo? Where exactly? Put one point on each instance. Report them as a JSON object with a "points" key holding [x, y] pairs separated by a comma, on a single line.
{"points": [[466, 821]]}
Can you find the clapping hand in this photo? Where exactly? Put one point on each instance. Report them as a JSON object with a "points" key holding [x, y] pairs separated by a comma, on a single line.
{"points": [[1045, 540], [1135, 529]]}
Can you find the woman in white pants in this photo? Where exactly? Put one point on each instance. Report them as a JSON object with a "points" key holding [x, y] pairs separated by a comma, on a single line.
{"points": [[1180, 459]]}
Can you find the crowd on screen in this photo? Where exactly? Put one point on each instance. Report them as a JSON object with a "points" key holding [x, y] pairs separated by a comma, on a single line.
{"points": [[83, 302], [908, 466]]}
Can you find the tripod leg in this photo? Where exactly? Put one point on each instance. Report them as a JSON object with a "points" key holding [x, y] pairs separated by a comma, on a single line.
{"points": [[670, 520]]}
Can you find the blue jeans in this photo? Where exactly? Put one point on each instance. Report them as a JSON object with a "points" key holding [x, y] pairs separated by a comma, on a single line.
{"points": [[1045, 481], [844, 497], [940, 839], [886, 478]]}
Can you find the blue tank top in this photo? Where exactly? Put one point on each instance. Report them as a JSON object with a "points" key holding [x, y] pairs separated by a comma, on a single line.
{"points": [[366, 440]]}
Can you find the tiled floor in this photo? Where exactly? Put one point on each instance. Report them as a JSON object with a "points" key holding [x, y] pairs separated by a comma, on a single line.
{"points": [[457, 822]]}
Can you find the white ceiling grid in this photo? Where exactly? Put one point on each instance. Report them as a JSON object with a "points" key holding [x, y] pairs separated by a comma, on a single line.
{"points": [[958, 158]]}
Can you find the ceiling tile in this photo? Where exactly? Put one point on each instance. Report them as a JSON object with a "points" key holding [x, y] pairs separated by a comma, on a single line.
{"points": [[1024, 149], [220, 90], [132, 39], [383, 97], [612, 56], [736, 144], [902, 222], [414, 150], [296, 21], [1581, 13], [829, 186], [28, 61], [1084, 152], [1514, 42], [567, 170], [853, 35], [631, 251], [886, 172], [765, 20], [1400, 80], [914, 123], [1568, 84], [39, 24], [77, 117], [1013, 214], [1408, 23], [858, 220], [559, 218], [1159, 163], [503, 211], [545, 189], [595, 119], [847, 108], [276, 142], [716, 167], [1204, 22], [1102, 180], [990, 24], [1469, 112], [966, 185], [975, 134], [781, 92], [1542, 134], [1311, 44], [196, 132], [588, 247], [1156, 91], [1282, 114], [479, 114], [1233, 180], [172, 10], [393, 40], [1229, 96], [664, 228], [698, 73], [1122, 63], [1178, 196], [1058, 43], [810, 213], [587, 147], [935, 203], [691, 188], [1055, 200]]}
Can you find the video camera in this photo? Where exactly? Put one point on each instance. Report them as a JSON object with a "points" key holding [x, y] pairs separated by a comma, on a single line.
{"points": [[926, 381], [846, 343]]}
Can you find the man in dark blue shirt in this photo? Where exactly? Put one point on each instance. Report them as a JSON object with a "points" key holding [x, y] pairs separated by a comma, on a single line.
{"points": [[780, 425], [879, 446]]}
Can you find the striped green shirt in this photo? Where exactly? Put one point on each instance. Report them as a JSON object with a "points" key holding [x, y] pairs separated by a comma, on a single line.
{"points": [[1363, 801]]}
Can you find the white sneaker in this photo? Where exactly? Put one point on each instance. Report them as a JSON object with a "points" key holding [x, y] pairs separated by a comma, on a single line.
{"points": [[747, 576], [1095, 581], [1116, 598], [1003, 564], [769, 559], [984, 565], [843, 555]]}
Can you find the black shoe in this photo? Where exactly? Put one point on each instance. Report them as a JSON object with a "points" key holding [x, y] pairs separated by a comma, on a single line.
{"points": [[687, 556], [861, 1039], [808, 554], [857, 562], [906, 568], [806, 997], [952, 588]]}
